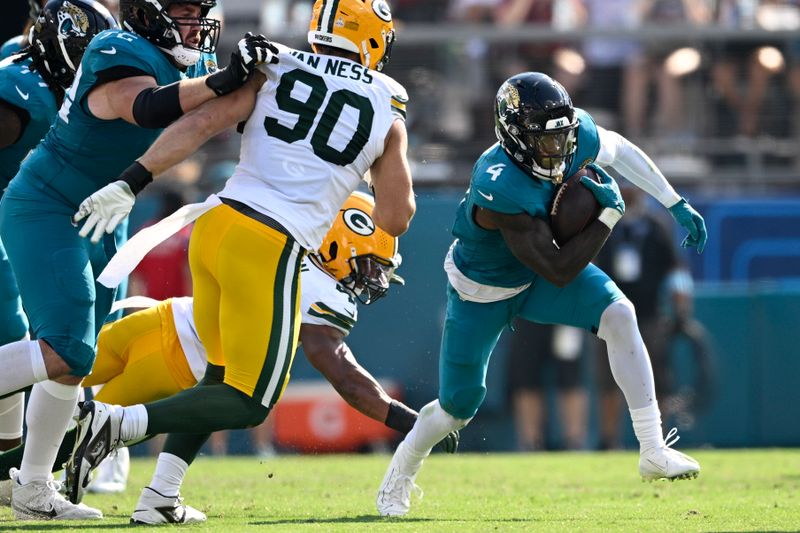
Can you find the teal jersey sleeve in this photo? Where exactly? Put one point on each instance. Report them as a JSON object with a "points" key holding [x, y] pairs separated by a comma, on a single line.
{"points": [[588, 145], [24, 88], [82, 153], [11, 46], [206, 65]]}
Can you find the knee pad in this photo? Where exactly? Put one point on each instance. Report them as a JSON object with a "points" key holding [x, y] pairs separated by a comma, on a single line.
{"points": [[77, 354], [462, 403], [618, 316]]}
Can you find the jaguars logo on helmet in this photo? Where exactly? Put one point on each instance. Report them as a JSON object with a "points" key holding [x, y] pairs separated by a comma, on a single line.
{"points": [[151, 20], [363, 27], [60, 35], [359, 254]]}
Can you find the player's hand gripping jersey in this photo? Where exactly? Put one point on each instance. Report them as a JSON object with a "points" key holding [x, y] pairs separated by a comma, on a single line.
{"points": [[330, 107]]}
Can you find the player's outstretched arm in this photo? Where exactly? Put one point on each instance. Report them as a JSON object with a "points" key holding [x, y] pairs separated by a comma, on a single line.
{"points": [[107, 207], [326, 350], [141, 101], [632, 163], [391, 181], [531, 241]]}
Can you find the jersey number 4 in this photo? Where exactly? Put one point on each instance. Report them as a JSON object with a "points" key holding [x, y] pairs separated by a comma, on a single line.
{"points": [[307, 110]]}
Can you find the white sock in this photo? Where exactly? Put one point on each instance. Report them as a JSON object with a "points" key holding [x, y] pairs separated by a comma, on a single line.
{"points": [[627, 354], [647, 427], [134, 423], [23, 365], [12, 413], [433, 424], [49, 409], [169, 474]]}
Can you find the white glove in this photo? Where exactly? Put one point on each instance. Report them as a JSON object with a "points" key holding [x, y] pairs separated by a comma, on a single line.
{"points": [[105, 208]]}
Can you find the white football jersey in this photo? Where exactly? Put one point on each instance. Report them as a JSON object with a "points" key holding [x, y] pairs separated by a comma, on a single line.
{"points": [[318, 125]]}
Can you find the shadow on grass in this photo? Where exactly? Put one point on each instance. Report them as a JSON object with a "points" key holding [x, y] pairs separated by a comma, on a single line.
{"points": [[365, 519], [60, 525]]}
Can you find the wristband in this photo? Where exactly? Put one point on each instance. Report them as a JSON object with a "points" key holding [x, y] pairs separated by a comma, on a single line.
{"points": [[137, 177], [609, 217], [400, 417]]}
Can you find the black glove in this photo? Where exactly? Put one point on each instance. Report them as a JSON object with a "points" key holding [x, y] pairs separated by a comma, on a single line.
{"points": [[250, 52], [449, 444]]}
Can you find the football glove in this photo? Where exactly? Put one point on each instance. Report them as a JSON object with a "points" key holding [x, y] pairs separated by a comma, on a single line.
{"points": [[606, 192], [251, 51], [449, 444], [106, 208], [692, 222]]}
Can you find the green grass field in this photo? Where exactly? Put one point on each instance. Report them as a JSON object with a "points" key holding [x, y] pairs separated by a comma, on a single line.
{"points": [[747, 490]]}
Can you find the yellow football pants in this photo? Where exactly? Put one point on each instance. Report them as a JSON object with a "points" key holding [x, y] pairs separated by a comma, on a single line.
{"points": [[246, 282], [139, 358]]}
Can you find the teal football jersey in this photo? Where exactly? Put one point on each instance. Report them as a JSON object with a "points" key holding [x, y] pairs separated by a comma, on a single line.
{"points": [[24, 88], [499, 184], [11, 46], [81, 153]]}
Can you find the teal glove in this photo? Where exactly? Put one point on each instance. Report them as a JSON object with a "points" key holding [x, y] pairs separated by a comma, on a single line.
{"points": [[692, 222], [607, 192]]}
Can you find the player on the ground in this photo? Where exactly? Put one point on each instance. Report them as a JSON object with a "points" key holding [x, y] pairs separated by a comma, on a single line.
{"points": [[155, 353], [504, 264], [316, 125], [129, 85]]}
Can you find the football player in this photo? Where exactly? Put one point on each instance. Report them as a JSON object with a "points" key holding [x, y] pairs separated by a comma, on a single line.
{"points": [[129, 85], [155, 353], [319, 121], [504, 264]]}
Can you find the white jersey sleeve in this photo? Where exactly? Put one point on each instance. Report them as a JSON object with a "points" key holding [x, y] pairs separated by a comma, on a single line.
{"points": [[318, 125], [324, 302]]}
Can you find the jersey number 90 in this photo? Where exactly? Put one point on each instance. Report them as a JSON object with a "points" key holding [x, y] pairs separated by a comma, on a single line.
{"points": [[307, 111]]}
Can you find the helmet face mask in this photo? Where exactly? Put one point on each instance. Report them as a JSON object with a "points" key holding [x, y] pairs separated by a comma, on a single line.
{"points": [[151, 20], [61, 33], [361, 256], [536, 124], [363, 27]]}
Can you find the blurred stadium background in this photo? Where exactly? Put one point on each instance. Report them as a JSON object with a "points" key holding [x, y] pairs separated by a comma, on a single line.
{"points": [[709, 88]]}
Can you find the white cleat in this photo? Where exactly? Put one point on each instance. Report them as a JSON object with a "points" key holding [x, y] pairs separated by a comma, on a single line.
{"points": [[40, 500], [111, 477], [98, 435], [155, 508], [394, 495], [666, 463]]}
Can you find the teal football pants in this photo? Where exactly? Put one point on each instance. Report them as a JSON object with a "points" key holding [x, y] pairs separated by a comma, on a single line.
{"points": [[55, 270], [471, 330], [13, 323]]}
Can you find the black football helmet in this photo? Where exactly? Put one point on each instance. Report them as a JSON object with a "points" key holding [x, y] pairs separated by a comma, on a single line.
{"points": [[150, 19], [60, 35], [536, 124]]}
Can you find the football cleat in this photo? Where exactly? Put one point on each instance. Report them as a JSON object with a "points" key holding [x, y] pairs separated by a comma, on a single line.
{"points": [[155, 508], [40, 500], [112, 474], [665, 463], [98, 435], [394, 495]]}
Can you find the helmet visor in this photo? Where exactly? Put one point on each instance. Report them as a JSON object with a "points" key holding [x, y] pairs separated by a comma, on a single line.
{"points": [[370, 277], [550, 149]]}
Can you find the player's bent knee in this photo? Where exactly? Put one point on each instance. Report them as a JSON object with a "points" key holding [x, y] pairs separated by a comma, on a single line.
{"points": [[463, 403], [77, 355], [620, 315], [250, 411]]}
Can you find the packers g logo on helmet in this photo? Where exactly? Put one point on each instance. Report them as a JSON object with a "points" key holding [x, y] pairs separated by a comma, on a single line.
{"points": [[361, 256], [363, 27]]}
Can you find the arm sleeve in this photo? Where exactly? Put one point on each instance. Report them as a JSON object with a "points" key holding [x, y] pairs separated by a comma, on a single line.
{"points": [[633, 164]]}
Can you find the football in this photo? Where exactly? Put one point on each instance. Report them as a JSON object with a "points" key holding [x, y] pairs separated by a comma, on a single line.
{"points": [[574, 207]]}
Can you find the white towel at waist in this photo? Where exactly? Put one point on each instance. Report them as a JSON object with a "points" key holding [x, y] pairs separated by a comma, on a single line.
{"points": [[133, 251]]}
